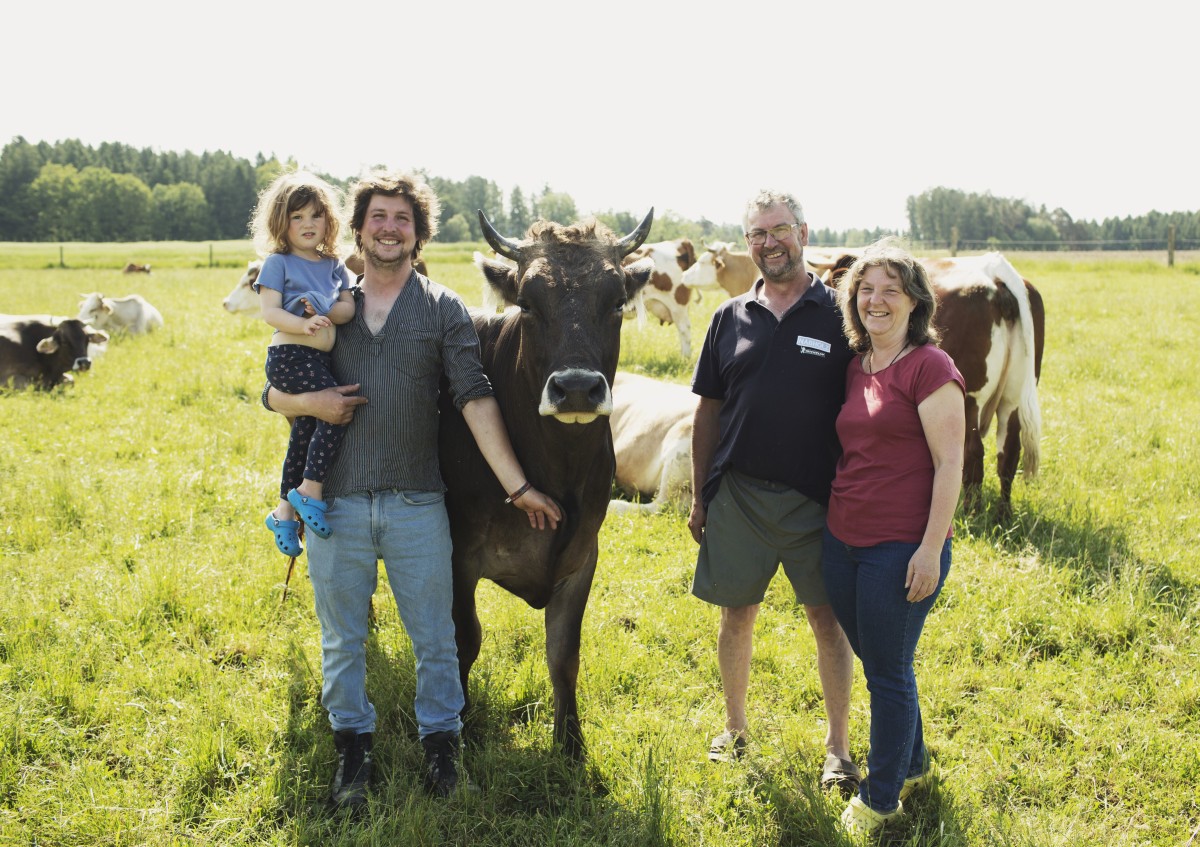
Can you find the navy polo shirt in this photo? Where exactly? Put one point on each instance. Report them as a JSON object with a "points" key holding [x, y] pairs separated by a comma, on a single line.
{"points": [[781, 385]]}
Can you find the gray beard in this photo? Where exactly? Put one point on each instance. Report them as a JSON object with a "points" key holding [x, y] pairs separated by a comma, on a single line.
{"points": [[785, 271]]}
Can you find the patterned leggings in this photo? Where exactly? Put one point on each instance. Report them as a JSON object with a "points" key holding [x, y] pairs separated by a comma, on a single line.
{"points": [[295, 369]]}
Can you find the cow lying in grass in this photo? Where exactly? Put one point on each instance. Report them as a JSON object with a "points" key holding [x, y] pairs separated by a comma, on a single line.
{"points": [[41, 350], [132, 314]]}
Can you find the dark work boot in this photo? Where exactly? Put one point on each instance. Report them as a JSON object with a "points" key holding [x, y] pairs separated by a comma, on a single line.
{"points": [[354, 769], [441, 763]]}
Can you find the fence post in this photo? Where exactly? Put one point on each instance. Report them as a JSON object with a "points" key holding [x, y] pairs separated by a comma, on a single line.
{"points": [[953, 241], [61, 262], [1171, 246], [210, 259]]}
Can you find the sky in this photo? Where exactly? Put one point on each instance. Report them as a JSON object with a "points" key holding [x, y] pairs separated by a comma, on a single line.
{"points": [[686, 108]]}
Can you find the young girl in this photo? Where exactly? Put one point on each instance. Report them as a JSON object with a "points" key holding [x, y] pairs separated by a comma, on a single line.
{"points": [[304, 290]]}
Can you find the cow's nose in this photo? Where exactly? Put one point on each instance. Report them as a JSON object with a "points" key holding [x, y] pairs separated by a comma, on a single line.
{"points": [[577, 390], [83, 363]]}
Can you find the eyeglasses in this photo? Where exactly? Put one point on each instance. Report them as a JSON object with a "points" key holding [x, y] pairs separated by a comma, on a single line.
{"points": [[758, 237]]}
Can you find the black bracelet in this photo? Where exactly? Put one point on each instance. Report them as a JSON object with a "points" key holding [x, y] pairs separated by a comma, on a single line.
{"points": [[516, 495], [266, 391]]}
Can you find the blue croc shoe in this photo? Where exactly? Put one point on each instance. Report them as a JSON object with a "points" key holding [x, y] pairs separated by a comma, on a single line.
{"points": [[287, 535], [311, 511]]}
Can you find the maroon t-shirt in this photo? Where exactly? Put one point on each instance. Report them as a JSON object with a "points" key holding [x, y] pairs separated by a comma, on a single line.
{"points": [[884, 483]]}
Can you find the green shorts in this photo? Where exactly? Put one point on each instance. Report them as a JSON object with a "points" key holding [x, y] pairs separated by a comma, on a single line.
{"points": [[753, 526]]}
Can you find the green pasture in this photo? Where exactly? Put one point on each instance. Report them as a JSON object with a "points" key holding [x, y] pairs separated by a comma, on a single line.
{"points": [[154, 690]]}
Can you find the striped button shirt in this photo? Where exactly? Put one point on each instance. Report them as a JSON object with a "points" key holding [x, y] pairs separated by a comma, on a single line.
{"points": [[393, 440]]}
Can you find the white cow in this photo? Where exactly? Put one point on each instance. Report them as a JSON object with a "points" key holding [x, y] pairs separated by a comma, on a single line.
{"points": [[665, 296], [652, 436], [243, 300], [132, 314]]}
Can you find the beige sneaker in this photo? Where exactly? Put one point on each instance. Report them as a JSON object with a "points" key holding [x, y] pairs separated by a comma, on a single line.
{"points": [[861, 819], [916, 783]]}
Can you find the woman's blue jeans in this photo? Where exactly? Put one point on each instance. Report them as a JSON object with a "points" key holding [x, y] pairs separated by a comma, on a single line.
{"points": [[409, 531], [866, 589]]}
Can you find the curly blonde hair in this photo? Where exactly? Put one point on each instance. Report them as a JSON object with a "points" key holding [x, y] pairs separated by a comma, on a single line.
{"points": [[290, 192]]}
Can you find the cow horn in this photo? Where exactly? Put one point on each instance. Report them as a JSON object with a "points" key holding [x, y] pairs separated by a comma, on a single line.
{"points": [[634, 240], [509, 248]]}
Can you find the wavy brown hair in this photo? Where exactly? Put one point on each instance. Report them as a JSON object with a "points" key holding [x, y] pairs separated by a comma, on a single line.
{"points": [[425, 205], [899, 264]]}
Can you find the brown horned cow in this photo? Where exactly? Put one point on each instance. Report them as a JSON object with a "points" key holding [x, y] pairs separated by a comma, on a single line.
{"points": [[551, 362]]}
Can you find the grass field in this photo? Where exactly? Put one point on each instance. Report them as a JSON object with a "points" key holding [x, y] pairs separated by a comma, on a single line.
{"points": [[155, 691]]}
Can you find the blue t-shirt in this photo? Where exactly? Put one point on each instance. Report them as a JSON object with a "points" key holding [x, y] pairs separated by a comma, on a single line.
{"points": [[297, 278]]}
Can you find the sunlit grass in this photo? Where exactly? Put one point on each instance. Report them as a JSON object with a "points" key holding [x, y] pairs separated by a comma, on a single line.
{"points": [[154, 690]]}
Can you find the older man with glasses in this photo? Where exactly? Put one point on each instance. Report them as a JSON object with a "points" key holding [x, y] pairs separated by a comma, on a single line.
{"points": [[770, 380]]}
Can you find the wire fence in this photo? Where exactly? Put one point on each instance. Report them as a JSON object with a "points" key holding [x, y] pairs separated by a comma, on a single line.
{"points": [[1075, 246]]}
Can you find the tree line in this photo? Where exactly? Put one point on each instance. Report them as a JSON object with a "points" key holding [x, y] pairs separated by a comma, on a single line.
{"points": [[70, 191], [942, 216]]}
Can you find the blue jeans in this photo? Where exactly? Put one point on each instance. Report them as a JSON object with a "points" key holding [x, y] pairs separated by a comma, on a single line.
{"points": [[410, 532], [866, 589]]}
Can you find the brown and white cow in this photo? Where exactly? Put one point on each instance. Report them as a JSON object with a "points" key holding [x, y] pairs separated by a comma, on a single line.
{"points": [[721, 266], [551, 362], [132, 314], [135, 268], [667, 297], [993, 325], [40, 350], [652, 438]]}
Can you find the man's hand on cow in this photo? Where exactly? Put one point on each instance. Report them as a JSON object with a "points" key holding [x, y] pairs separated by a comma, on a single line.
{"points": [[540, 509], [335, 405], [697, 519]]}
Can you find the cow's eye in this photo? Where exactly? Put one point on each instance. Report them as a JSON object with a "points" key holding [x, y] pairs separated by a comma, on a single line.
{"points": [[523, 304], [620, 308]]}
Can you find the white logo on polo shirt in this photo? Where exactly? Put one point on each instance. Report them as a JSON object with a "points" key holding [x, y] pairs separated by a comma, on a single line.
{"points": [[812, 346]]}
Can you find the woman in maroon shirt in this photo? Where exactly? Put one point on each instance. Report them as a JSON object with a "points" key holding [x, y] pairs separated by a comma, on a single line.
{"points": [[886, 549]]}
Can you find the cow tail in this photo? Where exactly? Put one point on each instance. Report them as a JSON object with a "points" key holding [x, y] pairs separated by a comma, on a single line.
{"points": [[1029, 410]]}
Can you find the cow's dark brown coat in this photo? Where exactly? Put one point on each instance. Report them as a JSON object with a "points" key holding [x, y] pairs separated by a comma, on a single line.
{"points": [[551, 360]]}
